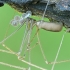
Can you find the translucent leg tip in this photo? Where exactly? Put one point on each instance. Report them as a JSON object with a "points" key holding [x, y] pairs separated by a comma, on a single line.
{"points": [[46, 62]]}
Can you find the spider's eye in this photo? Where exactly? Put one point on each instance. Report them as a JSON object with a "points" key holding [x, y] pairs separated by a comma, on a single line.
{"points": [[1, 4]]}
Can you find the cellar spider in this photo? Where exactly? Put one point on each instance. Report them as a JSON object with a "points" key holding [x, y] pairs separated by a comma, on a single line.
{"points": [[25, 47]]}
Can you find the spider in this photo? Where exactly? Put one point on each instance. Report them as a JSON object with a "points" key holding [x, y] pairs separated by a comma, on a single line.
{"points": [[58, 11]]}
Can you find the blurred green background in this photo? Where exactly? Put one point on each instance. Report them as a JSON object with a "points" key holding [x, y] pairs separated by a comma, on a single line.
{"points": [[50, 42]]}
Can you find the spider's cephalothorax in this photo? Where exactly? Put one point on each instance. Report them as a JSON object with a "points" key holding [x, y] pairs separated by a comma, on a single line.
{"points": [[57, 10]]}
